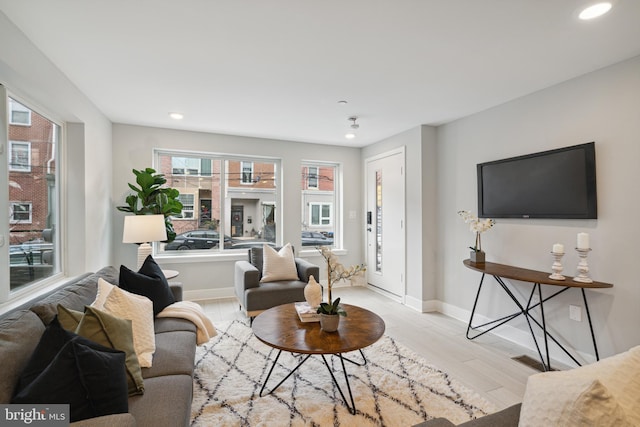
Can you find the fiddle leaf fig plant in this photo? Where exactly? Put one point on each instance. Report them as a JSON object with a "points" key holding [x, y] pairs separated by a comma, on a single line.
{"points": [[152, 197], [331, 309]]}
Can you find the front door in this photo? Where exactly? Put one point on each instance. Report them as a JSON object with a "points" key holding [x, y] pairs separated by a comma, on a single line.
{"points": [[237, 221], [385, 222]]}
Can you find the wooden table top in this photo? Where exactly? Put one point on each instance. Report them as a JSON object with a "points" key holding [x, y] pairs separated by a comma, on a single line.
{"points": [[281, 328], [533, 276]]}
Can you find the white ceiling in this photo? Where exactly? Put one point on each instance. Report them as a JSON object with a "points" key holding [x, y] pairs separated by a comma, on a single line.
{"points": [[277, 68]]}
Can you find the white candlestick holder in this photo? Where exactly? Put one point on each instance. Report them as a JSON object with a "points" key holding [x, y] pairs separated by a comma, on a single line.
{"points": [[557, 266], [583, 267]]}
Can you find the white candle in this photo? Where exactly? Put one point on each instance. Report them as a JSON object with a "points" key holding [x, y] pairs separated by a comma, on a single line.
{"points": [[583, 241], [558, 248]]}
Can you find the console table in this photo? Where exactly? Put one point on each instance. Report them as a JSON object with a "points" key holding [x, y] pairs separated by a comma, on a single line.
{"points": [[538, 278]]}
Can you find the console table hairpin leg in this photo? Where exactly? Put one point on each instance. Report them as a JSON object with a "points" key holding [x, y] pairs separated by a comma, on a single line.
{"points": [[526, 310]]}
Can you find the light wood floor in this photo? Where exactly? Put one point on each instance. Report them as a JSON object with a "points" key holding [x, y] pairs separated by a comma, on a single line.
{"points": [[484, 365]]}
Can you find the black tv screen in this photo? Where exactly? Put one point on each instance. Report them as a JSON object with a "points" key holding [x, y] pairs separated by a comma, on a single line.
{"points": [[558, 183]]}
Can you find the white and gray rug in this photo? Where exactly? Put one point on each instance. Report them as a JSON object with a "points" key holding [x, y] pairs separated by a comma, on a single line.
{"points": [[395, 388]]}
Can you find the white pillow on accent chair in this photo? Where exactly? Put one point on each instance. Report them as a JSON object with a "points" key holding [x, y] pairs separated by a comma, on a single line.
{"points": [[279, 265]]}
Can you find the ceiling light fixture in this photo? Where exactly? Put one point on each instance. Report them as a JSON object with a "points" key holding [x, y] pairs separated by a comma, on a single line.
{"points": [[176, 116], [595, 10], [342, 102], [353, 127]]}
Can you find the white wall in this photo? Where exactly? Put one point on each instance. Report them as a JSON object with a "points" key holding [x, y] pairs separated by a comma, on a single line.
{"points": [[421, 228], [27, 73], [603, 106], [213, 277]]}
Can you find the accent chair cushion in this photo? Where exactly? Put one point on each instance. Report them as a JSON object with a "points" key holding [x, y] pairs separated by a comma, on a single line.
{"points": [[150, 282], [279, 265]]}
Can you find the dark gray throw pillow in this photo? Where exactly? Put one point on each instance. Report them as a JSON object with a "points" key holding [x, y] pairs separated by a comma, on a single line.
{"points": [[89, 377], [150, 282]]}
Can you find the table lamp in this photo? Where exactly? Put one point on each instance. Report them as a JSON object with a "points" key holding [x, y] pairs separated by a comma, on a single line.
{"points": [[144, 229]]}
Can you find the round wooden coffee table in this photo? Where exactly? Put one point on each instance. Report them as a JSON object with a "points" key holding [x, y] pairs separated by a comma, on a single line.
{"points": [[281, 328]]}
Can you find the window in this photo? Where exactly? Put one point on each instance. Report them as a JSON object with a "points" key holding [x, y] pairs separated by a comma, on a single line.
{"points": [[188, 205], [32, 195], [19, 114], [20, 212], [190, 166], [247, 172], [319, 197], [312, 177], [319, 214], [230, 199], [20, 157]]}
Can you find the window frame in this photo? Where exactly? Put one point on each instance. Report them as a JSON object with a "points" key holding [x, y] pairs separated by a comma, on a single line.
{"points": [[315, 177], [242, 173], [12, 109], [14, 167], [336, 205], [225, 201], [14, 295], [320, 205], [12, 211]]}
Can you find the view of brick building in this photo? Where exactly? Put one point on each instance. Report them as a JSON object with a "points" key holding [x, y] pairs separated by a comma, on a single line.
{"points": [[31, 173]]}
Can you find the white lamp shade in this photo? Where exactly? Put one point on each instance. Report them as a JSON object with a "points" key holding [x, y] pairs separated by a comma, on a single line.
{"points": [[144, 229]]}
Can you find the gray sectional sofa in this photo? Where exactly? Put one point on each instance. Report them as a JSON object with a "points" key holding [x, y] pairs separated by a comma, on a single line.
{"points": [[506, 418], [168, 384]]}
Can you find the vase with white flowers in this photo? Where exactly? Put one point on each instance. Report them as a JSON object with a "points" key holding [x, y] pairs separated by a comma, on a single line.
{"points": [[335, 272], [477, 226]]}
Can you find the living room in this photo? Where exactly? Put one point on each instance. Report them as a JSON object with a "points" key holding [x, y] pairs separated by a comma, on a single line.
{"points": [[600, 105]]}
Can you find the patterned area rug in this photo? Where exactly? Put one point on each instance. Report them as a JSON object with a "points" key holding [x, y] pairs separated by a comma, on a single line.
{"points": [[395, 388]]}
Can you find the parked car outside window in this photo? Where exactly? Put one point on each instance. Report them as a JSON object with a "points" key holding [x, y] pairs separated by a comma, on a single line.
{"points": [[197, 239], [312, 238]]}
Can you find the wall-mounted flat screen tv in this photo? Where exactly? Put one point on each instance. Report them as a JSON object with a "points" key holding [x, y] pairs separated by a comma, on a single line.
{"points": [[558, 183]]}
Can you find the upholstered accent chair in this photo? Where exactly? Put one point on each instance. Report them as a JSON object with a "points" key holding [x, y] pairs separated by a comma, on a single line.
{"points": [[255, 296]]}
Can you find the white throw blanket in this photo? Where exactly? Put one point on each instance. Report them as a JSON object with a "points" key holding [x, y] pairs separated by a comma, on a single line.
{"points": [[192, 311]]}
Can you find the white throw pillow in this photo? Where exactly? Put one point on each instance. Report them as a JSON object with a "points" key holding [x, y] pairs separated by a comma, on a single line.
{"points": [[279, 265], [619, 374], [104, 289], [139, 310], [554, 399]]}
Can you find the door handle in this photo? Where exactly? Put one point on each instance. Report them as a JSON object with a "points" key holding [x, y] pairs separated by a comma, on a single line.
{"points": [[369, 229]]}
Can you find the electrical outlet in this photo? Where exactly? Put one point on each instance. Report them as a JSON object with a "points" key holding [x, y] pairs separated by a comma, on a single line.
{"points": [[575, 313]]}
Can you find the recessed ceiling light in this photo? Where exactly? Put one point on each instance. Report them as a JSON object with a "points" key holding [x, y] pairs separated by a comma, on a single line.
{"points": [[349, 135], [595, 10], [342, 102], [176, 116]]}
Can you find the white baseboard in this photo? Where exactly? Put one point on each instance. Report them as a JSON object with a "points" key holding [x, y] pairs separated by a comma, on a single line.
{"points": [[202, 294], [519, 337], [422, 306]]}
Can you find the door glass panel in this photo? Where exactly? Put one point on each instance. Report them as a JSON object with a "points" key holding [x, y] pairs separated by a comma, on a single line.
{"points": [[378, 220]]}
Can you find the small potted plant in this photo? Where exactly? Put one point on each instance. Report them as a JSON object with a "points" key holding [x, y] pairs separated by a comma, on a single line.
{"points": [[476, 226], [330, 315]]}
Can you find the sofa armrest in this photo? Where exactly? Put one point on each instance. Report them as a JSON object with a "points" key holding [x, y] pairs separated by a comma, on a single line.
{"points": [[306, 270], [115, 420], [176, 289], [246, 277], [436, 422]]}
